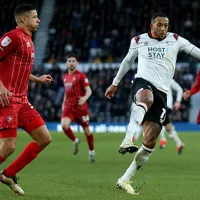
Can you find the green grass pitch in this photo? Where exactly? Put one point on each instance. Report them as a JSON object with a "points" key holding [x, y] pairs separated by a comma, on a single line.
{"points": [[58, 175]]}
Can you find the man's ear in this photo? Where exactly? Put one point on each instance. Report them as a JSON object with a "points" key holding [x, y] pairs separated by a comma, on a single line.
{"points": [[23, 18]]}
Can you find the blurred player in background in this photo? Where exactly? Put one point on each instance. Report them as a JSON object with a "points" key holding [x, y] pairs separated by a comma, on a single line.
{"points": [[167, 125], [16, 60], [195, 88], [75, 107], [157, 55]]}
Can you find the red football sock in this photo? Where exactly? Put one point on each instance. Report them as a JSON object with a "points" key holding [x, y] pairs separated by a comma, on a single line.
{"points": [[2, 159], [90, 141], [29, 154], [70, 134]]}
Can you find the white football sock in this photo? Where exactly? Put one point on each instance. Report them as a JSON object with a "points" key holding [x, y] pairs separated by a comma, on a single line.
{"points": [[162, 135], [91, 152], [76, 140], [141, 157], [174, 135], [138, 132], [136, 119]]}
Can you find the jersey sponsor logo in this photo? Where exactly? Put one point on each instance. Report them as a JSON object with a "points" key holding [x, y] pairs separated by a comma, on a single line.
{"points": [[32, 55], [68, 85], [9, 119], [157, 52], [6, 41]]}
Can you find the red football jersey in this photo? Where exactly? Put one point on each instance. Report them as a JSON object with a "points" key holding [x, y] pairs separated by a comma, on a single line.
{"points": [[196, 87], [75, 84], [16, 60]]}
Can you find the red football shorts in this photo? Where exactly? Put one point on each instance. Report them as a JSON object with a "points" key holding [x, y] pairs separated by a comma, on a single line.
{"points": [[17, 115], [198, 118], [80, 116]]}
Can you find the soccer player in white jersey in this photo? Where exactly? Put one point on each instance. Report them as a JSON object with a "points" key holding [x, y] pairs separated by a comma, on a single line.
{"points": [[157, 53], [167, 124]]}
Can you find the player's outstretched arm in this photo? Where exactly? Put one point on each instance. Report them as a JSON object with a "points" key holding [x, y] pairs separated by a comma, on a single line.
{"points": [[41, 79], [179, 94], [123, 69]]}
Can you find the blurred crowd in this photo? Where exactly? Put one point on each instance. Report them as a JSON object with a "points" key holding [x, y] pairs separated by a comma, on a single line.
{"points": [[101, 30], [48, 98]]}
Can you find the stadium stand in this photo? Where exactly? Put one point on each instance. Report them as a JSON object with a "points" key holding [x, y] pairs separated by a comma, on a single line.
{"points": [[98, 36]]}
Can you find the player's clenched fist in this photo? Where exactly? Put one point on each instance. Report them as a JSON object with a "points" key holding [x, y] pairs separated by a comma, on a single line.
{"points": [[110, 91], [4, 95], [186, 94], [45, 79]]}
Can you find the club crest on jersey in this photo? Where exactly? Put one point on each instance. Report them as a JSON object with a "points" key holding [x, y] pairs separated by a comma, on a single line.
{"points": [[6, 41], [9, 119], [74, 78], [28, 44], [86, 80]]}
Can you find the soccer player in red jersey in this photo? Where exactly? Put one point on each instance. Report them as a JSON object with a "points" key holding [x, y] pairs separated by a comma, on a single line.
{"points": [[16, 60], [195, 88], [75, 107]]}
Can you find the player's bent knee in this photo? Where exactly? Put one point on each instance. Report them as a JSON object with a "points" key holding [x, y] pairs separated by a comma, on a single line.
{"points": [[7, 149], [64, 126], [146, 96], [46, 141], [43, 143], [11, 149], [88, 133]]}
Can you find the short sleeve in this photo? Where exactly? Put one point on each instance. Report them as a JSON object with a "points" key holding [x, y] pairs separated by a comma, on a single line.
{"points": [[185, 45], [84, 80], [134, 43], [8, 43]]}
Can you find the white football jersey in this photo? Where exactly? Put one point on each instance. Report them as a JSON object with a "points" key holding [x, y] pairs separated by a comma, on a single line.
{"points": [[179, 93], [157, 58]]}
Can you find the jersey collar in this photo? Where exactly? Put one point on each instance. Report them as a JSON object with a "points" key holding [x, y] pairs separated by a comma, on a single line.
{"points": [[23, 30], [150, 35]]}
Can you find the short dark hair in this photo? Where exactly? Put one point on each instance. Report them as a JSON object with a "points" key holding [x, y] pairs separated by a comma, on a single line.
{"points": [[158, 14], [21, 9], [72, 55]]}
